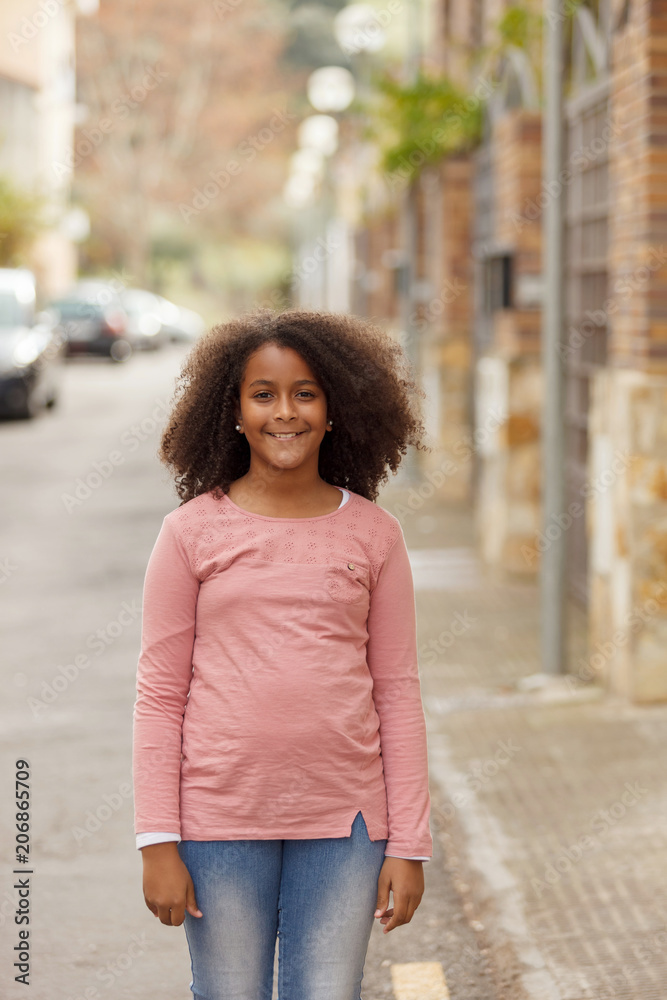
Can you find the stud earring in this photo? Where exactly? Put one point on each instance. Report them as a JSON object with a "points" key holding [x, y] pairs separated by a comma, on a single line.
{"points": [[238, 427], [331, 423]]}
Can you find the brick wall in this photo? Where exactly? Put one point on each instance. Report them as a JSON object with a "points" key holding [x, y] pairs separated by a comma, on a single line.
{"points": [[638, 190]]}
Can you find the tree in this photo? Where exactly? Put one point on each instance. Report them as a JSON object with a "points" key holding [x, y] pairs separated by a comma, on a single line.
{"points": [[20, 222], [188, 120]]}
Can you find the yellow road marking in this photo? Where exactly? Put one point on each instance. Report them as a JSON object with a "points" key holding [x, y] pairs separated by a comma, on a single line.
{"points": [[419, 981]]}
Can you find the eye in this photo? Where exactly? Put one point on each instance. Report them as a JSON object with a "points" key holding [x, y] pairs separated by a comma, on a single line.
{"points": [[265, 392]]}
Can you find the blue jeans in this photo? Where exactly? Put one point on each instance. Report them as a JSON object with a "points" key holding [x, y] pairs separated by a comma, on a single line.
{"points": [[317, 896]]}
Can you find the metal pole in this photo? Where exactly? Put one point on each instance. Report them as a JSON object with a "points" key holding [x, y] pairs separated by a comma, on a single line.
{"points": [[553, 492], [409, 206]]}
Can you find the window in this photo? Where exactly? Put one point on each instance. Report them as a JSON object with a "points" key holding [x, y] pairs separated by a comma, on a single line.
{"points": [[499, 282], [19, 154]]}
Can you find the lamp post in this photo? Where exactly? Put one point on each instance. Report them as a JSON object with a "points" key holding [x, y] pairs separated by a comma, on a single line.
{"points": [[360, 32], [409, 218], [552, 566], [330, 90]]}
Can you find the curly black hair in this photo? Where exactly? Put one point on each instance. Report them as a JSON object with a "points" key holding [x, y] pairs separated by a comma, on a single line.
{"points": [[366, 377]]}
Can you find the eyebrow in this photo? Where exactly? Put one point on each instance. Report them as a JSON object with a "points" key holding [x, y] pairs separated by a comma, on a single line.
{"points": [[267, 381]]}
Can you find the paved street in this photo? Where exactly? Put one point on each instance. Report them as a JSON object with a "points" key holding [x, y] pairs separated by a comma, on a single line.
{"points": [[489, 195], [74, 557], [548, 804]]}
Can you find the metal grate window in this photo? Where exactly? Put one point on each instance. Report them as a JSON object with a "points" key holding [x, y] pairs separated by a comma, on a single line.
{"points": [[482, 240], [586, 290]]}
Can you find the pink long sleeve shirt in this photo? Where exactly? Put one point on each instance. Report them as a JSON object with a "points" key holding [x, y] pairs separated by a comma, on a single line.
{"points": [[278, 688]]}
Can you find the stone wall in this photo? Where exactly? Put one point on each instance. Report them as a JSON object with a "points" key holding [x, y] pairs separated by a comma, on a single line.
{"points": [[627, 508], [444, 323], [508, 377], [627, 503]]}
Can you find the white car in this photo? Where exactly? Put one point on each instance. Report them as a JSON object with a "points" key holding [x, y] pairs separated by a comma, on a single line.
{"points": [[180, 323], [146, 322]]}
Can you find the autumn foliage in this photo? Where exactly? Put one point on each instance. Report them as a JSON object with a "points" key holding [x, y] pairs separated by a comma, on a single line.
{"points": [[190, 119]]}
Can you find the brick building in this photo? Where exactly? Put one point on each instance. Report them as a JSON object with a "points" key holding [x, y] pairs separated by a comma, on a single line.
{"points": [[475, 291], [37, 111]]}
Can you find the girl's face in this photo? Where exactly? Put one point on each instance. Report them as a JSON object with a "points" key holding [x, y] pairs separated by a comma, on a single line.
{"points": [[280, 394]]}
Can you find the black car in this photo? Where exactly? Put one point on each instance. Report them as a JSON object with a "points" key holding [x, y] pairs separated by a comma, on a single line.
{"points": [[31, 349], [93, 321]]}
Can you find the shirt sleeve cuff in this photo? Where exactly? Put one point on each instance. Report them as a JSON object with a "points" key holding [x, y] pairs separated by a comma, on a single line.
{"points": [[145, 839], [405, 858]]}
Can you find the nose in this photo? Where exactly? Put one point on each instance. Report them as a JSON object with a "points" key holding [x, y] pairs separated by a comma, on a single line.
{"points": [[285, 408]]}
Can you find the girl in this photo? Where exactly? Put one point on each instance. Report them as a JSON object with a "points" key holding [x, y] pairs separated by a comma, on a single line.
{"points": [[279, 752]]}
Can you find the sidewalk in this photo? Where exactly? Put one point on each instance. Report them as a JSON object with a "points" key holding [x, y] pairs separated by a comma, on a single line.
{"points": [[553, 800]]}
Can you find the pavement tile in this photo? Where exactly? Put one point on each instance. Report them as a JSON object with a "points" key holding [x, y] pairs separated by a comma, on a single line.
{"points": [[561, 801]]}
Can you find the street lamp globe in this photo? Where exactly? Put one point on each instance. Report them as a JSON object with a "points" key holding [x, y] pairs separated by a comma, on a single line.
{"points": [[307, 161], [75, 224], [319, 132], [330, 88], [299, 190], [358, 29]]}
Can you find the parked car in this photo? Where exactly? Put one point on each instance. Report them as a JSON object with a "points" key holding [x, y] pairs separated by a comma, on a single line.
{"points": [[179, 323], [94, 321], [146, 320], [31, 350]]}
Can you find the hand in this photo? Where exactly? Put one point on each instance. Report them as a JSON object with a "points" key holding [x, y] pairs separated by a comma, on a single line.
{"points": [[168, 886], [406, 880]]}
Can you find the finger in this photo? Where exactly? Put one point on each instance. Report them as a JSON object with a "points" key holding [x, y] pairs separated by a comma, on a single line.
{"points": [[402, 915], [384, 885], [407, 916], [190, 901], [177, 915], [398, 917], [164, 914]]}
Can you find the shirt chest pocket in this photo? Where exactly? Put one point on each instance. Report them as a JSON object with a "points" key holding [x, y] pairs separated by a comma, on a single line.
{"points": [[347, 582]]}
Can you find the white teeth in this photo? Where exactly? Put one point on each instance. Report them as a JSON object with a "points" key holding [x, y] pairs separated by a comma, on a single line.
{"points": [[295, 434]]}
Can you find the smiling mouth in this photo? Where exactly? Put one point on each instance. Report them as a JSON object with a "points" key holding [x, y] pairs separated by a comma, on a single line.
{"points": [[286, 437]]}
